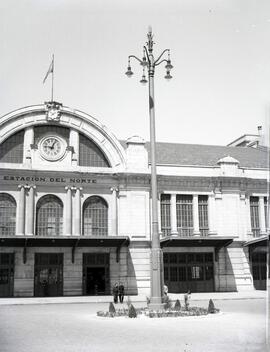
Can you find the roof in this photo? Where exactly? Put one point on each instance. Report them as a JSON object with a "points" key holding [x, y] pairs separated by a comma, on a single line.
{"points": [[206, 155]]}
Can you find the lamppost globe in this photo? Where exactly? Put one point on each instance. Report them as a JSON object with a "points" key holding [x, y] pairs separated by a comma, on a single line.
{"points": [[129, 73]]}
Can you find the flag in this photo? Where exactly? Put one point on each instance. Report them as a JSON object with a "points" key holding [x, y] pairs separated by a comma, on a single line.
{"points": [[50, 70]]}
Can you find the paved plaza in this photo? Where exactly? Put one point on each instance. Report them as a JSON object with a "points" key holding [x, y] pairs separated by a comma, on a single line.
{"points": [[74, 327]]}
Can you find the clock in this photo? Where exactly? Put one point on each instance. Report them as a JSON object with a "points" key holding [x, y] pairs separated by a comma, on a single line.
{"points": [[52, 147]]}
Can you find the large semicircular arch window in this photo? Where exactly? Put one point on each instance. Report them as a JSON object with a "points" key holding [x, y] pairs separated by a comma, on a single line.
{"points": [[11, 150], [90, 154]]}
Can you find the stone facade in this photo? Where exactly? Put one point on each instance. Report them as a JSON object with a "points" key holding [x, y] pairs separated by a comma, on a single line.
{"points": [[124, 187]]}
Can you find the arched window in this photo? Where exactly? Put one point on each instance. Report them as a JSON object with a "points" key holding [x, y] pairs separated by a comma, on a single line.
{"points": [[49, 216], [7, 215], [95, 217], [90, 154], [11, 150]]}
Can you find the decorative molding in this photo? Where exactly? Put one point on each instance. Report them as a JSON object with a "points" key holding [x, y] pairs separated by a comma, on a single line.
{"points": [[53, 110]]}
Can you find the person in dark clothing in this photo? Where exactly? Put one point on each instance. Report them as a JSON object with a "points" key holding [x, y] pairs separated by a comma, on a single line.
{"points": [[115, 292], [121, 293]]}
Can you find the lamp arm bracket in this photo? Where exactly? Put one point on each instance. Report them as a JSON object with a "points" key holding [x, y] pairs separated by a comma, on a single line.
{"points": [[160, 56], [160, 62], [135, 57], [147, 53]]}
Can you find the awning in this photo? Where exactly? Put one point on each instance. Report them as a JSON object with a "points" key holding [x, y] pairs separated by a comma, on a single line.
{"points": [[258, 241], [217, 242], [65, 241]]}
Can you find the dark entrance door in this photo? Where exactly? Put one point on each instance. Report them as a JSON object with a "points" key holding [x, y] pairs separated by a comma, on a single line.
{"points": [[48, 274], [189, 271], [6, 274], [259, 269], [96, 273]]}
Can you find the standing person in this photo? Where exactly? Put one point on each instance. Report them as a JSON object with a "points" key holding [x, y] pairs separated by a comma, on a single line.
{"points": [[115, 292], [121, 292]]}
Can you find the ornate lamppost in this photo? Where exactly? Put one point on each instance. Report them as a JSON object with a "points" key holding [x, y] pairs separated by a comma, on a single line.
{"points": [[149, 63]]}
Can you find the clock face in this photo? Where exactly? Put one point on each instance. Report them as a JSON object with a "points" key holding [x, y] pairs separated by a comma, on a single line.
{"points": [[52, 147]]}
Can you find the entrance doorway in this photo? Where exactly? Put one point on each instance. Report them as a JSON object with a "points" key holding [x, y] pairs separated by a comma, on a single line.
{"points": [[48, 274], [6, 274], [259, 269], [189, 271], [96, 274]]}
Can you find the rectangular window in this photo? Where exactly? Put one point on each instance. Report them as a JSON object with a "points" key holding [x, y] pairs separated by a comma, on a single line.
{"points": [[184, 215], [254, 216], [165, 212], [203, 215]]}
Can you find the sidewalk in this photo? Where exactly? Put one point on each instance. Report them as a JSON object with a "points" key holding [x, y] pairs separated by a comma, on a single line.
{"points": [[139, 298]]}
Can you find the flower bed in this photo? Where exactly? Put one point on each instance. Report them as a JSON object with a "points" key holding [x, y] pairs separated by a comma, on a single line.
{"points": [[192, 311], [122, 312], [168, 311]]}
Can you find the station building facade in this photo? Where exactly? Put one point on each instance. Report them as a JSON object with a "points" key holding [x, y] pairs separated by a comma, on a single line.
{"points": [[75, 209]]}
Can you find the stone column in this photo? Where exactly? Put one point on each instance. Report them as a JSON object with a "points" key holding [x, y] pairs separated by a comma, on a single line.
{"points": [[212, 214], [68, 211], [28, 141], [196, 227], [173, 215], [30, 211], [21, 211], [249, 231], [114, 212], [74, 142], [77, 217], [262, 215]]}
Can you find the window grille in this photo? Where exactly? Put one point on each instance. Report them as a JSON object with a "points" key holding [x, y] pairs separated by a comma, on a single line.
{"points": [[7, 215], [11, 150], [203, 215], [254, 216], [95, 217], [40, 131], [90, 154], [165, 212], [184, 215], [49, 216]]}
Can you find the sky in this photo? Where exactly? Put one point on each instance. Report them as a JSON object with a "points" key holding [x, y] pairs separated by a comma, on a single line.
{"points": [[219, 49]]}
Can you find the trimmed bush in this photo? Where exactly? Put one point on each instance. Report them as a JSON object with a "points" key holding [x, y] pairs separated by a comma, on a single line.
{"points": [[177, 305], [111, 308], [132, 312], [211, 307]]}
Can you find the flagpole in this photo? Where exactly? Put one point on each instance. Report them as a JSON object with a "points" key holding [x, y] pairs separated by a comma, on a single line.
{"points": [[52, 76]]}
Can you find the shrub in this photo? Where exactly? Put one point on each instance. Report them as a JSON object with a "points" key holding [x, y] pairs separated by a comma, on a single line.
{"points": [[177, 305], [132, 312], [111, 308], [211, 307]]}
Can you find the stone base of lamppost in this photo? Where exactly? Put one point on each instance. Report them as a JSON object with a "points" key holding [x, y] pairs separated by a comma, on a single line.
{"points": [[156, 280]]}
